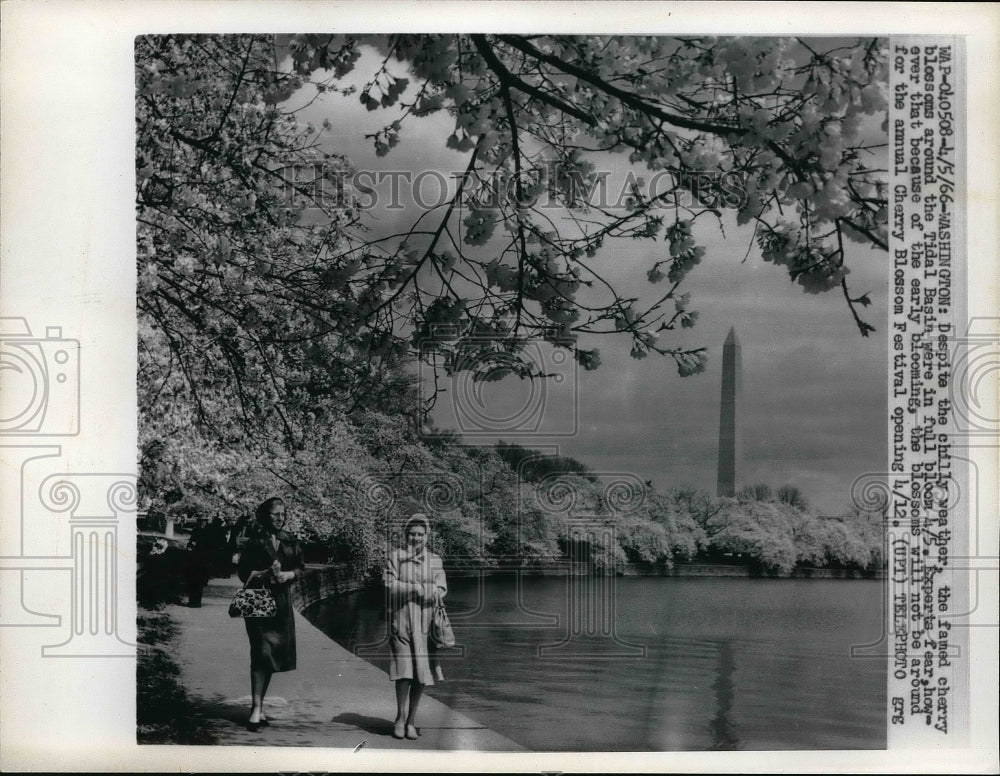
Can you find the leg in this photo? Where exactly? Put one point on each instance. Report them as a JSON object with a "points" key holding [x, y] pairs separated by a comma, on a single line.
{"points": [[416, 691], [402, 704], [259, 679], [190, 589], [263, 694], [435, 662]]}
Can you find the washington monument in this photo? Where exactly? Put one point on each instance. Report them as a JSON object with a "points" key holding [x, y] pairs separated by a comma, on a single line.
{"points": [[730, 448]]}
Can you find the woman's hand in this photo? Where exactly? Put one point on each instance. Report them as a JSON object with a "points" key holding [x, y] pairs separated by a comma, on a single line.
{"points": [[272, 575]]}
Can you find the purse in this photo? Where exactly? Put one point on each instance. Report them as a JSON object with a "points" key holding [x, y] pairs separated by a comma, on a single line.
{"points": [[441, 633], [253, 602]]}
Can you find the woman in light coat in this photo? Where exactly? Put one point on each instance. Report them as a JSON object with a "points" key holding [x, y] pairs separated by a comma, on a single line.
{"points": [[414, 578]]}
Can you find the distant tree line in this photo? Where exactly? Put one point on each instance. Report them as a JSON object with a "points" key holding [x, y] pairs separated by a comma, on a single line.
{"points": [[354, 479]]}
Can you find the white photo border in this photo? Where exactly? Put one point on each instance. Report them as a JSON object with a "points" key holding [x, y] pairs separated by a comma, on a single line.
{"points": [[68, 241]]}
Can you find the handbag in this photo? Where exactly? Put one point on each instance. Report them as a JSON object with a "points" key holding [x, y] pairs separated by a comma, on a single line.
{"points": [[253, 602], [441, 633]]}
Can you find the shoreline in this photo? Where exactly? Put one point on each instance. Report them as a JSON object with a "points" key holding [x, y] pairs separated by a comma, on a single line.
{"points": [[327, 580], [680, 569]]}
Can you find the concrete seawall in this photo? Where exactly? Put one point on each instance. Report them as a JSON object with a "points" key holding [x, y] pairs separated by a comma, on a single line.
{"points": [[323, 581]]}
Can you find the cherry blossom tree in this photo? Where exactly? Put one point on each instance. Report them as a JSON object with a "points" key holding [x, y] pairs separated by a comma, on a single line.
{"points": [[239, 307], [274, 295], [275, 320]]}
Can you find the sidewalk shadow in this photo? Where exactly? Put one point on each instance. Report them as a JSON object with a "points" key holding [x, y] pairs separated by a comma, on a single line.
{"points": [[221, 710], [375, 725]]}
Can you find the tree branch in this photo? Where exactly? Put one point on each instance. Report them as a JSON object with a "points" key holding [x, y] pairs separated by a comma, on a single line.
{"points": [[632, 100], [509, 79]]}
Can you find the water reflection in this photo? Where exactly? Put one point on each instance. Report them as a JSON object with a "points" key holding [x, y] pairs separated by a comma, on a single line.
{"points": [[730, 664], [721, 727], [589, 610]]}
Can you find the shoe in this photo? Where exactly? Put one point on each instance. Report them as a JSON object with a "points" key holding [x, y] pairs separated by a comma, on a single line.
{"points": [[398, 731], [253, 727], [412, 732]]}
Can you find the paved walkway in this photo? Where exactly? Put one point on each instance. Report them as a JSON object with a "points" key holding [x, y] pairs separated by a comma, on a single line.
{"points": [[333, 699]]}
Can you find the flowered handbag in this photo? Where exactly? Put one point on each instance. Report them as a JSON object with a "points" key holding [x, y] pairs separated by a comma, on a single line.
{"points": [[253, 602], [441, 633]]}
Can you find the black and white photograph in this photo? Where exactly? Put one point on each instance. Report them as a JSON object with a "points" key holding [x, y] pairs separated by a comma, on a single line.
{"points": [[504, 396], [486, 280]]}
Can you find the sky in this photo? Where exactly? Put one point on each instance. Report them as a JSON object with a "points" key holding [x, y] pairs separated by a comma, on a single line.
{"points": [[813, 404]]}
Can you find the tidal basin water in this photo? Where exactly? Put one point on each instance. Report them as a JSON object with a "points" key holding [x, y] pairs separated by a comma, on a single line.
{"points": [[688, 664]]}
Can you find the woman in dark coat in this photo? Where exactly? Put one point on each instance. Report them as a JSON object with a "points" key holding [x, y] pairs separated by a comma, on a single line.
{"points": [[270, 558]]}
